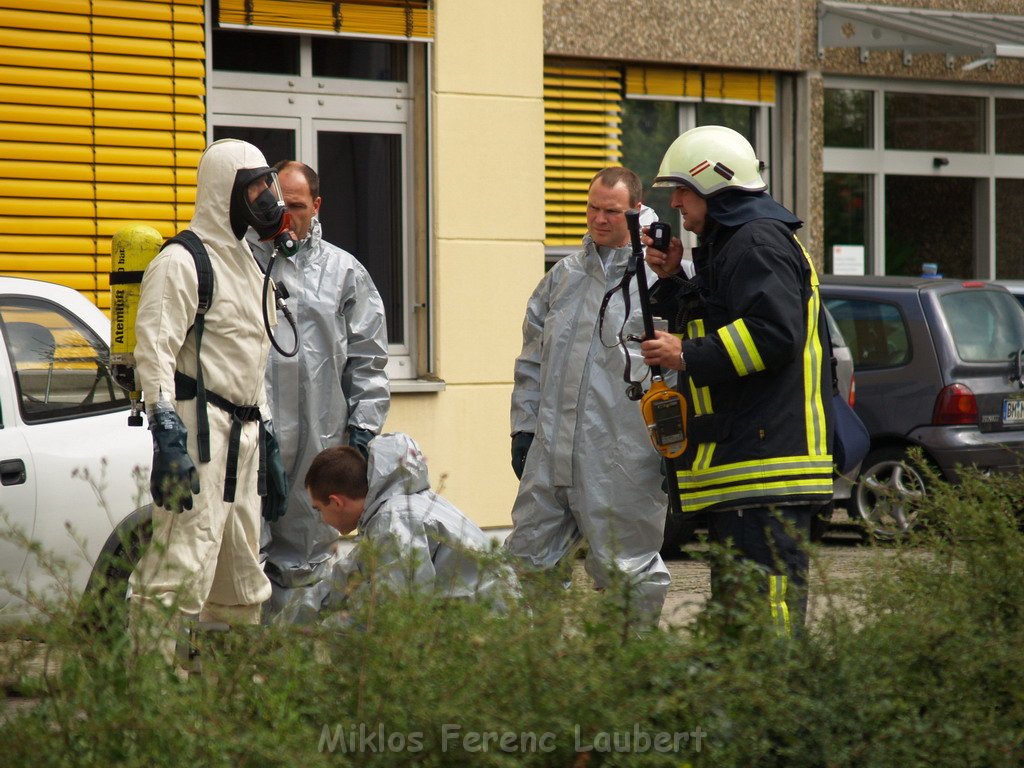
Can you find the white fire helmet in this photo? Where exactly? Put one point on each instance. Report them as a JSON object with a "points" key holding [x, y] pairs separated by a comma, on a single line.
{"points": [[709, 160]]}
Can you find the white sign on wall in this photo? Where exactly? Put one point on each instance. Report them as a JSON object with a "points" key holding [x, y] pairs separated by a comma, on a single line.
{"points": [[847, 259]]}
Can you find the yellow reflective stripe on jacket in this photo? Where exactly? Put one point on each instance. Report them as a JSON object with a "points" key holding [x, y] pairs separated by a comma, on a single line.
{"points": [[814, 415], [743, 470], [699, 396], [789, 476], [814, 272], [701, 399], [741, 348], [814, 403], [697, 500], [779, 608]]}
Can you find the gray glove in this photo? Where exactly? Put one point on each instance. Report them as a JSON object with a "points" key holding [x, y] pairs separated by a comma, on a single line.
{"points": [[173, 478], [521, 442], [359, 439], [275, 502]]}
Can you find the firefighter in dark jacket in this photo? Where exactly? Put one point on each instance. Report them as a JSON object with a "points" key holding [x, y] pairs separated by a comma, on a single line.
{"points": [[754, 352]]}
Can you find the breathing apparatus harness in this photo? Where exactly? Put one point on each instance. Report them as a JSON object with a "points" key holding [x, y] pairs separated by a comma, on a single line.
{"points": [[634, 389], [663, 408], [133, 247]]}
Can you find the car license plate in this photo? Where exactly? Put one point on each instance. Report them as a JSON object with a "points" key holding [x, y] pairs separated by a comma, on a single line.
{"points": [[1013, 411]]}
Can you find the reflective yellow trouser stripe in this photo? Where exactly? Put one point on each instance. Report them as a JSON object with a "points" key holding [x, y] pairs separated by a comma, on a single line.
{"points": [[777, 601]]}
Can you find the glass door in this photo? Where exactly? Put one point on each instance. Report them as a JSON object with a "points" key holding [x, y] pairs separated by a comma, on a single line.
{"points": [[344, 107], [365, 198]]}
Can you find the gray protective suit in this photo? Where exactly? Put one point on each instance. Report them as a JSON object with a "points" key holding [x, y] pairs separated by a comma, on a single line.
{"points": [[209, 555], [591, 471], [418, 540], [336, 380]]}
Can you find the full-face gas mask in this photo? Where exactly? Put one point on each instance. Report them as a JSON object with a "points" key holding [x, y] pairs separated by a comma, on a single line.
{"points": [[265, 212]]}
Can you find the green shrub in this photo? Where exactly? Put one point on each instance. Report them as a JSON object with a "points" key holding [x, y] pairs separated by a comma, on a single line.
{"points": [[915, 664]]}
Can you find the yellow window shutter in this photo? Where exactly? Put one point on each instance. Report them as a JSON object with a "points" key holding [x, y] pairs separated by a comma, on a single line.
{"points": [[688, 84], [396, 19], [102, 122], [582, 135]]}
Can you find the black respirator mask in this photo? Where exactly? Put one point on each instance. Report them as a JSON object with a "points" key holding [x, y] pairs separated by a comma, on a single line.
{"points": [[266, 214]]}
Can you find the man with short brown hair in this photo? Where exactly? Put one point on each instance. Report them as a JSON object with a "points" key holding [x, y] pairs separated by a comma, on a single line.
{"points": [[580, 447], [411, 540]]}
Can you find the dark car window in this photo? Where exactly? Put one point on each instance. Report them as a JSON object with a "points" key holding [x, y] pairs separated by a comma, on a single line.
{"points": [[60, 367], [875, 332], [838, 340], [987, 326]]}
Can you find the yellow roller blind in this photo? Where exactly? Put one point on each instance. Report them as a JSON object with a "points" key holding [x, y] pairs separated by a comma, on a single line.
{"points": [[405, 19], [102, 122], [582, 135], [701, 84]]}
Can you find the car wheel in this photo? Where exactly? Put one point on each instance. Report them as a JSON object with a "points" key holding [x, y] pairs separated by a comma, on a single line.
{"points": [[887, 492], [679, 530], [104, 605]]}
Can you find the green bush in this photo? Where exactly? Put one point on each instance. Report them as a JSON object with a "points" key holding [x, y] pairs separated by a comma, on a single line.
{"points": [[916, 664]]}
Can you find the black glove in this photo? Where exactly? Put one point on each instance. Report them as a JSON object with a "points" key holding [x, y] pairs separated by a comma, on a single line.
{"points": [[173, 478], [275, 502], [360, 438], [521, 442]]}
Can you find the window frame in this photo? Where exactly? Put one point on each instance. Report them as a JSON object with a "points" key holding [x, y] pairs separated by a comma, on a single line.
{"points": [[877, 162], [853, 341], [301, 102], [687, 114]]}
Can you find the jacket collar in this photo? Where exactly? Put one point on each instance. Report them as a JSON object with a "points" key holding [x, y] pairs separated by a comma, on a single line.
{"points": [[592, 259], [733, 209]]}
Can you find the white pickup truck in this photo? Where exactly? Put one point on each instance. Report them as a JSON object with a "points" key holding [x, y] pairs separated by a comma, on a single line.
{"points": [[74, 477]]}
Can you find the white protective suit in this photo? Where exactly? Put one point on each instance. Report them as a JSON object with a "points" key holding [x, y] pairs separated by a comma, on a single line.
{"points": [[336, 380], [591, 471], [418, 539], [209, 556]]}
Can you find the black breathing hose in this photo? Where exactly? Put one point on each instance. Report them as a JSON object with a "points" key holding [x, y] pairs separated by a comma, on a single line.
{"points": [[279, 301]]}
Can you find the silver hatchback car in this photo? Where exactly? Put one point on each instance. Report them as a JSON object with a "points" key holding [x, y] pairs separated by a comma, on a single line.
{"points": [[939, 366]]}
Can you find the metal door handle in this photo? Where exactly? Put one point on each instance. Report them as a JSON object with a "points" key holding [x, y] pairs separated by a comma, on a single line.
{"points": [[12, 472]]}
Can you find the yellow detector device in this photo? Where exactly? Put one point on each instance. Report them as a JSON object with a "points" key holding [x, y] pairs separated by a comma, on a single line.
{"points": [[664, 412]]}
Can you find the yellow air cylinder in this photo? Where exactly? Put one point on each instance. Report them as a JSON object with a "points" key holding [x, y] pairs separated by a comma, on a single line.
{"points": [[132, 248]]}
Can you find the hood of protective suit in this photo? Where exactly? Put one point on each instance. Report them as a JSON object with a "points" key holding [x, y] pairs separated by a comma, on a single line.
{"points": [[218, 167], [735, 208], [397, 467]]}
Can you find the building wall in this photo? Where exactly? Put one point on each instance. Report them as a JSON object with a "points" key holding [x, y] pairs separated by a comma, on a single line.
{"points": [[101, 123], [488, 229], [890, 64], [779, 35], [486, 166], [771, 34], [487, 199], [720, 33]]}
